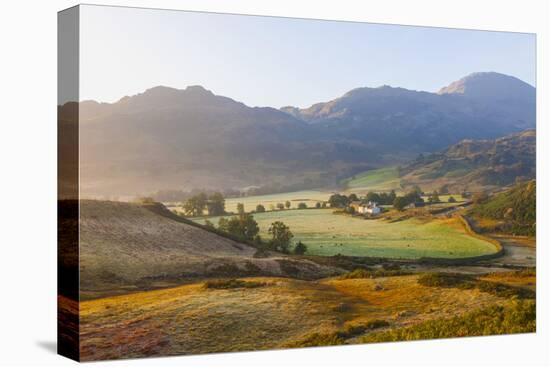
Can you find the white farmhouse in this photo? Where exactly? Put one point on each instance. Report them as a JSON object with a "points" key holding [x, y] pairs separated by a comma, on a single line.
{"points": [[368, 208]]}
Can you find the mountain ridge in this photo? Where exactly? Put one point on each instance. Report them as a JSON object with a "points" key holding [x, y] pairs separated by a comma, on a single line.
{"points": [[168, 138]]}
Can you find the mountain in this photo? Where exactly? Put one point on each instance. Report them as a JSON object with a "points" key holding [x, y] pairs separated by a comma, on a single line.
{"points": [[167, 138], [502, 97], [481, 105], [474, 165]]}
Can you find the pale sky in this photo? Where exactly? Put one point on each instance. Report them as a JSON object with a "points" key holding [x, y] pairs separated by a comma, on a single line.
{"points": [[268, 61]]}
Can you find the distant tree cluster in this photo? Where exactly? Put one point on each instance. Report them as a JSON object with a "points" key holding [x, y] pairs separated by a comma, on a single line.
{"points": [[338, 201], [197, 204], [413, 196], [383, 198], [260, 208]]}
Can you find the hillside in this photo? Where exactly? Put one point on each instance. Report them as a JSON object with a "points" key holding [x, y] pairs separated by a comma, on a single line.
{"points": [[126, 246], [166, 138], [473, 165], [512, 211]]}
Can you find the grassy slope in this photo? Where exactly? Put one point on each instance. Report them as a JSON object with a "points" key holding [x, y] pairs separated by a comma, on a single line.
{"points": [[383, 179], [514, 209], [328, 234], [475, 165], [125, 246], [284, 312]]}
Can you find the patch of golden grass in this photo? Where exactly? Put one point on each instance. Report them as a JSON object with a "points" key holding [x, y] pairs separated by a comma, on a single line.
{"points": [[404, 300], [522, 278], [192, 319]]}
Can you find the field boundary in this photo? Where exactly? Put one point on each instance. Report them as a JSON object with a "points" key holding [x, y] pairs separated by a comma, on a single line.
{"points": [[160, 209], [471, 232]]}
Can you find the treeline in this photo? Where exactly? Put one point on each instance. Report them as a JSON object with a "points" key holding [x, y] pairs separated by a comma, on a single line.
{"points": [[399, 202], [173, 196]]}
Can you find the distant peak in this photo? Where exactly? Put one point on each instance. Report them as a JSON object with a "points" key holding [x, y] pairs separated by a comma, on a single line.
{"points": [[484, 83], [198, 89]]}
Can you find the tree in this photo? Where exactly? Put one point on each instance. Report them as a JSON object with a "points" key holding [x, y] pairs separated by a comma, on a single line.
{"points": [[318, 205], [240, 208], [417, 189], [338, 201], [280, 236], [280, 206], [216, 204], [251, 228], [302, 206], [413, 197], [353, 197], [223, 224], [324, 204], [208, 224], [260, 208], [196, 204], [452, 199], [243, 226], [287, 204], [300, 248], [400, 203], [373, 196], [391, 197], [434, 198]]}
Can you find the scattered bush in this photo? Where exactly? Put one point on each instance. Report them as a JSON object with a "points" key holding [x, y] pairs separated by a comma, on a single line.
{"points": [[232, 284], [520, 317], [372, 274], [339, 337], [463, 281]]}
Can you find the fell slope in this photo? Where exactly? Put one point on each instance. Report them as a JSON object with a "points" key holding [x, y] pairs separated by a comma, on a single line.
{"points": [[514, 211], [126, 246], [474, 165]]}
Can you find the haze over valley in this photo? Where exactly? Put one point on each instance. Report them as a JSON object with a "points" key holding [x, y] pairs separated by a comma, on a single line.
{"points": [[171, 139]]}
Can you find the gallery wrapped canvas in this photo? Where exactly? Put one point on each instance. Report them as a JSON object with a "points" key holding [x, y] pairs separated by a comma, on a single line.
{"points": [[237, 183]]}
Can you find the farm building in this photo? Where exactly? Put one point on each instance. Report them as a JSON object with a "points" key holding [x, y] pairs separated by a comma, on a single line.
{"points": [[368, 208]]}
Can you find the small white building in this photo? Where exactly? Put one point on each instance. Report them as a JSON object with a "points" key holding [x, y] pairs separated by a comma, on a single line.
{"points": [[369, 208]]}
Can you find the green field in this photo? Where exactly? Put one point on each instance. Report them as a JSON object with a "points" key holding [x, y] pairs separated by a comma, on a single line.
{"points": [[309, 197], [329, 234], [382, 179]]}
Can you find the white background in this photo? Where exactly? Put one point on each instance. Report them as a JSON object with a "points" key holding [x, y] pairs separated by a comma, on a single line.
{"points": [[28, 182]]}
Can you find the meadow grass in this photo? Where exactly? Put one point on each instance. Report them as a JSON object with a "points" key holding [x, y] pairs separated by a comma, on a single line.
{"points": [[194, 318], [520, 317], [328, 234], [383, 179]]}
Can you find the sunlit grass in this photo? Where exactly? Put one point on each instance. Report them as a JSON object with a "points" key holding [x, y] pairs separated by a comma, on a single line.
{"points": [[328, 234]]}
